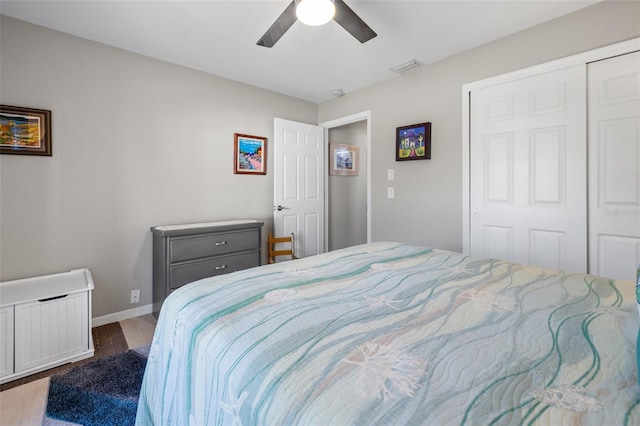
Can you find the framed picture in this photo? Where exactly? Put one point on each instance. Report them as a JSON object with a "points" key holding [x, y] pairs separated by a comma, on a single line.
{"points": [[25, 131], [413, 142], [344, 159], [250, 154]]}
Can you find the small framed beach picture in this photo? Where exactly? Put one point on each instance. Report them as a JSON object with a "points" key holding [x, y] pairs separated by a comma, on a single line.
{"points": [[25, 131], [250, 154], [413, 142], [344, 159]]}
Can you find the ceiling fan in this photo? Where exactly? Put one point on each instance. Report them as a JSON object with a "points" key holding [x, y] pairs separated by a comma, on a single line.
{"points": [[328, 10]]}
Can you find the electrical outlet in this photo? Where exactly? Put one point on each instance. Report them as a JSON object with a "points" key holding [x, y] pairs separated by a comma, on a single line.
{"points": [[135, 296]]}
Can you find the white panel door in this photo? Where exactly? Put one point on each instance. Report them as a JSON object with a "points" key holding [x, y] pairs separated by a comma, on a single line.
{"points": [[528, 170], [614, 166], [298, 205]]}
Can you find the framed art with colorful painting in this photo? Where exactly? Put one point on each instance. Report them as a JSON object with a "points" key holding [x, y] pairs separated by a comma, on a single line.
{"points": [[344, 159], [250, 153], [25, 131], [413, 142]]}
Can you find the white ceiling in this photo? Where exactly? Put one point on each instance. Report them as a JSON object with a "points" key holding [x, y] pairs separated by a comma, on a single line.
{"points": [[219, 37]]}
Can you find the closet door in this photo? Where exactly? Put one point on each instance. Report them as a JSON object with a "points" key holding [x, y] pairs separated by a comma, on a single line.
{"points": [[614, 166], [528, 161]]}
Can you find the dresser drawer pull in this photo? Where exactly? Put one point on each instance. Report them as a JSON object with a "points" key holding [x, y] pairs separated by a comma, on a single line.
{"points": [[219, 268], [221, 243], [53, 298]]}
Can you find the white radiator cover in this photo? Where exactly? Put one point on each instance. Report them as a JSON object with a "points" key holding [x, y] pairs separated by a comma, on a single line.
{"points": [[44, 322]]}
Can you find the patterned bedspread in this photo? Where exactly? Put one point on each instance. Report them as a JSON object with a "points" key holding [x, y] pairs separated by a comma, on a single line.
{"points": [[394, 334]]}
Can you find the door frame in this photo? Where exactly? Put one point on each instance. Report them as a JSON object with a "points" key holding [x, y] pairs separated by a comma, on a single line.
{"points": [[338, 122], [573, 60]]}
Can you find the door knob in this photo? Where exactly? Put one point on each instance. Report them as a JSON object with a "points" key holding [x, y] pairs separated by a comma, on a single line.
{"points": [[280, 208]]}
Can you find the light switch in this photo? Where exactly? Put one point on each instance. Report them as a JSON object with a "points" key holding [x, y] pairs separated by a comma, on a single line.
{"points": [[390, 174], [391, 192]]}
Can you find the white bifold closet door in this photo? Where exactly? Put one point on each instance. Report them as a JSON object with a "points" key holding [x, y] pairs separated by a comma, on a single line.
{"points": [[528, 167], [614, 166]]}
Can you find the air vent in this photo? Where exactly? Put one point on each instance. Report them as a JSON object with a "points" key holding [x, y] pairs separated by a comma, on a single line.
{"points": [[406, 66]]}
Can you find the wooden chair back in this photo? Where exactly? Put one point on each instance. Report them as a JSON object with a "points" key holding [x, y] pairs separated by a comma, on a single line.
{"points": [[273, 252]]}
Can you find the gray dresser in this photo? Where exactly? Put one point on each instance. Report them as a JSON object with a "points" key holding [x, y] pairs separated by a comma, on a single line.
{"points": [[186, 253]]}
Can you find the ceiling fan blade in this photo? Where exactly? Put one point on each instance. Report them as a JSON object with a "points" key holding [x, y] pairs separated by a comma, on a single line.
{"points": [[351, 22], [279, 27]]}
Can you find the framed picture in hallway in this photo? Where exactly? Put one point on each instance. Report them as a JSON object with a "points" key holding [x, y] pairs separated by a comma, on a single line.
{"points": [[250, 154], [25, 131], [413, 142], [343, 159]]}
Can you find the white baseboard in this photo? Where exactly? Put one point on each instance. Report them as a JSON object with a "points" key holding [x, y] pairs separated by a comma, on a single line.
{"points": [[122, 315]]}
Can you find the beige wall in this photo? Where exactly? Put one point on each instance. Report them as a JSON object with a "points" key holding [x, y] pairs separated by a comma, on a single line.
{"points": [[136, 143], [139, 142], [427, 208]]}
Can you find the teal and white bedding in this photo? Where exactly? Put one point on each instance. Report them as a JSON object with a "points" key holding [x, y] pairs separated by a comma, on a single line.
{"points": [[394, 334]]}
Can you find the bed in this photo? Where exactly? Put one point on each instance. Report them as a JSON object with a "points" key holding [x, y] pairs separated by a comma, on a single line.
{"points": [[395, 334]]}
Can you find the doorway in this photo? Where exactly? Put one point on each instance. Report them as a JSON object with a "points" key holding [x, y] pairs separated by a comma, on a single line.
{"points": [[348, 198]]}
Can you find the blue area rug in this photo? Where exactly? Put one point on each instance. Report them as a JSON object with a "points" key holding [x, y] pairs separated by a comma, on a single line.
{"points": [[103, 392]]}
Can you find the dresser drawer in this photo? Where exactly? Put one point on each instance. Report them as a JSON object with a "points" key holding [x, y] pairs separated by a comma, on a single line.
{"points": [[189, 252], [193, 247], [188, 272]]}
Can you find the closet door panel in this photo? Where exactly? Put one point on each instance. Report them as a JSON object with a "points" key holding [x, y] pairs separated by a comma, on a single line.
{"points": [[527, 170], [614, 166], [548, 248], [548, 166]]}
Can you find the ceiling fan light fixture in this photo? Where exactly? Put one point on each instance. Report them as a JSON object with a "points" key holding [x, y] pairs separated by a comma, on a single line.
{"points": [[315, 12]]}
